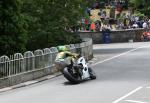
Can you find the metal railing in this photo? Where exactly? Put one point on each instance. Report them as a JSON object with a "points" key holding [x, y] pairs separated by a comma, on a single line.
{"points": [[39, 59]]}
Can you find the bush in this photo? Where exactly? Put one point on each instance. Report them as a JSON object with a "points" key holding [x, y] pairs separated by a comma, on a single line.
{"points": [[13, 34]]}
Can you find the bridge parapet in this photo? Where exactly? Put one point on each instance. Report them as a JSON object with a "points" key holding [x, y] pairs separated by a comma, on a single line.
{"points": [[31, 65], [115, 35]]}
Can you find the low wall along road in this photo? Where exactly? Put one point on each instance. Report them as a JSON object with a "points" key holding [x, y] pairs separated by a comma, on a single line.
{"points": [[115, 36], [32, 65]]}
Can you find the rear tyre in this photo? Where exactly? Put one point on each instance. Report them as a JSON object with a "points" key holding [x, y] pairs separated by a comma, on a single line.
{"points": [[92, 73], [69, 76]]}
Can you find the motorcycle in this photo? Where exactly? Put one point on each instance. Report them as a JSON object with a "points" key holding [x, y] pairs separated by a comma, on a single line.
{"points": [[78, 71]]}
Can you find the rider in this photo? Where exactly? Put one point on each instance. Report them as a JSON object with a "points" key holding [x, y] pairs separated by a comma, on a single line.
{"points": [[64, 57]]}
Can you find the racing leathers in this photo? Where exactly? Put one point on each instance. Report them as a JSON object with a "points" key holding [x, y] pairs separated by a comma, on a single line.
{"points": [[64, 59]]}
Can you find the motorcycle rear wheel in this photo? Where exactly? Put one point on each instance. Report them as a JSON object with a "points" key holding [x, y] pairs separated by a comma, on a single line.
{"points": [[92, 73]]}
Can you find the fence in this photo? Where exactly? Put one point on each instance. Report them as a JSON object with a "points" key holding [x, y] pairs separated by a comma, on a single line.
{"points": [[39, 59]]}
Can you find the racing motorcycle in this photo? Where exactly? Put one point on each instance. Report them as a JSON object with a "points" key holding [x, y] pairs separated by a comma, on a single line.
{"points": [[78, 71]]}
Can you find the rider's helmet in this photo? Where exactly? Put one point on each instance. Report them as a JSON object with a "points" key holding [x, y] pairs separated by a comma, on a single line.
{"points": [[62, 48]]}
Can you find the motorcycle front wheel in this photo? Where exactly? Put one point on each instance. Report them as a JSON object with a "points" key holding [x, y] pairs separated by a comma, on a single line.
{"points": [[69, 75]]}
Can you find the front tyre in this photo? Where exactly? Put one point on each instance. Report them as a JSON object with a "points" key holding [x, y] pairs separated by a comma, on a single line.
{"points": [[69, 76], [92, 73]]}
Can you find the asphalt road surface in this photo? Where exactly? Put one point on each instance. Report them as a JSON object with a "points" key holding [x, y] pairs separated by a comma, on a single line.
{"points": [[123, 76]]}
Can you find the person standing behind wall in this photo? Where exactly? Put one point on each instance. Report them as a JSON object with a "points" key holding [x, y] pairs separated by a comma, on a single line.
{"points": [[92, 26], [145, 25]]}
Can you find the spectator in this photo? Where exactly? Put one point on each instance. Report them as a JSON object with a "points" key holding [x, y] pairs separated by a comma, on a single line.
{"points": [[136, 18], [119, 7], [86, 21], [100, 13], [144, 25], [109, 27], [88, 10], [92, 26], [149, 23], [97, 26], [135, 25]]}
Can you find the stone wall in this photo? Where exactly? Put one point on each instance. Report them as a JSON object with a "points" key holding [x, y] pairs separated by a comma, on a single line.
{"points": [[85, 48], [115, 36]]}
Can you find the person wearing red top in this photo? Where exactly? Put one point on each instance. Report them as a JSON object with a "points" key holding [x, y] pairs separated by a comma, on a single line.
{"points": [[92, 26], [146, 36], [85, 21]]}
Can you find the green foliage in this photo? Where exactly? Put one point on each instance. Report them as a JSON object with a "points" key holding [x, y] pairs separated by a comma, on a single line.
{"points": [[136, 3], [47, 20], [141, 5], [13, 33], [139, 14]]}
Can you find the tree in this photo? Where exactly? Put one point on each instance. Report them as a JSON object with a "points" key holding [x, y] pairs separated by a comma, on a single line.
{"points": [[45, 22], [48, 20], [141, 5], [12, 27]]}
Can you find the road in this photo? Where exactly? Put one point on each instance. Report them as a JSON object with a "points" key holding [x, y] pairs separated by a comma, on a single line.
{"points": [[123, 76]]}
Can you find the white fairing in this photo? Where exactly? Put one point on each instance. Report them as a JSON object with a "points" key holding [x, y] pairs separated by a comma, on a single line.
{"points": [[85, 71]]}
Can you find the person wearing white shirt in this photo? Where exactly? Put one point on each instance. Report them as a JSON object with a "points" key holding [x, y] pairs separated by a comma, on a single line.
{"points": [[135, 25], [144, 25]]}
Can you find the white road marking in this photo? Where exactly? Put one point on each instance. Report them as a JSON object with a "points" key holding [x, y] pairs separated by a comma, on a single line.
{"points": [[133, 101], [148, 87], [119, 55], [118, 100]]}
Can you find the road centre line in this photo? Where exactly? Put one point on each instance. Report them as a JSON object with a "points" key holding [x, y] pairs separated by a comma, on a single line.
{"points": [[133, 101], [118, 100], [119, 55]]}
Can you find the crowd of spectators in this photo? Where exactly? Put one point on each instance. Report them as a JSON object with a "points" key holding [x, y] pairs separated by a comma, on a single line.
{"points": [[127, 21]]}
